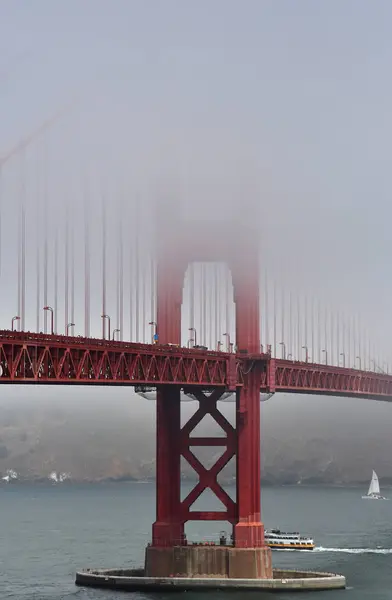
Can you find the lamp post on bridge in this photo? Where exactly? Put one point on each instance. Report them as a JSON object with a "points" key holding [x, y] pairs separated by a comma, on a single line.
{"points": [[114, 333], [326, 356], [306, 353], [344, 358], [50, 309], [68, 327], [227, 336], [218, 346], [108, 318], [360, 362], [16, 318], [283, 350], [194, 339], [374, 364]]}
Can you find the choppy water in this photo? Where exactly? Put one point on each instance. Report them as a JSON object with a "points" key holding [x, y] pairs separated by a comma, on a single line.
{"points": [[47, 532]]}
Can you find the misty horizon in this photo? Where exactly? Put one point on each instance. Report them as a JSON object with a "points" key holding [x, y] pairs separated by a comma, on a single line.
{"points": [[274, 115]]}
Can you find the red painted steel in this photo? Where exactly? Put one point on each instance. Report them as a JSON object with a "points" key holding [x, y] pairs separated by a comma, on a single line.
{"points": [[175, 252], [174, 442], [308, 378], [208, 477], [45, 359]]}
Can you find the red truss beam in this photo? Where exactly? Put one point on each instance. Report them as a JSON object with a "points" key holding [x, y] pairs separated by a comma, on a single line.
{"points": [[208, 477], [307, 378], [39, 358], [46, 359]]}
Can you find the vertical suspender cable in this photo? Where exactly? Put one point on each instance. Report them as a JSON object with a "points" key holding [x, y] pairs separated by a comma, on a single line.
{"points": [[283, 315], [104, 242], [143, 290], [46, 208], [326, 333], [1, 219], [299, 327], [334, 337], [56, 279], [20, 212], [23, 311], [211, 297], [137, 273], [117, 280], [37, 261], [216, 307], [364, 346], [86, 265], [153, 287], [66, 270], [306, 320], [312, 330], [121, 279], [201, 303], [332, 323], [274, 319], [72, 299], [131, 281], [319, 330], [216, 310], [204, 299], [266, 308], [192, 295], [359, 339], [227, 302], [338, 338], [22, 249], [218, 270], [290, 344]]}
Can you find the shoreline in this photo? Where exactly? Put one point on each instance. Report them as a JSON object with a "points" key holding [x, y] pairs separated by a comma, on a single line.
{"points": [[73, 482]]}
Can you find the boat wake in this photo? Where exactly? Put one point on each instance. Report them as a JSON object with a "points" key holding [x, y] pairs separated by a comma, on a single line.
{"points": [[354, 550]]}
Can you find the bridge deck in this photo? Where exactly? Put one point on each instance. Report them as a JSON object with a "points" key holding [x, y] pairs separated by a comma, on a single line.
{"points": [[55, 359]]}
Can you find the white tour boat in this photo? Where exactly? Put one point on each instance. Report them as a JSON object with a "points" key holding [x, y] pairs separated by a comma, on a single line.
{"points": [[281, 540], [374, 489]]}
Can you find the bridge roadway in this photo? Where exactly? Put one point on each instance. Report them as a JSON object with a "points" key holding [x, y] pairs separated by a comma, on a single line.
{"points": [[32, 358]]}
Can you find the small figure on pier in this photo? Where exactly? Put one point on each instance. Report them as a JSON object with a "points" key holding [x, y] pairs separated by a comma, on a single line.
{"points": [[222, 538]]}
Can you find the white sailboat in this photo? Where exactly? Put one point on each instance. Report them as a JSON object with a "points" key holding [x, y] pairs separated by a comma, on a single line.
{"points": [[374, 489]]}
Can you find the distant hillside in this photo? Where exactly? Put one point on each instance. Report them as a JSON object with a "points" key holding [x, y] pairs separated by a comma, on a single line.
{"points": [[100, 434]]}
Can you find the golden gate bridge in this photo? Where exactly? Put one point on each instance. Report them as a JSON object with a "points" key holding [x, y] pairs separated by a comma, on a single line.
{"points": [[113, 292]]}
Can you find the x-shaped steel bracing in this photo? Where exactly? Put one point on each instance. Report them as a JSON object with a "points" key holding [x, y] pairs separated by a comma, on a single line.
{"points": [[208, 477]]}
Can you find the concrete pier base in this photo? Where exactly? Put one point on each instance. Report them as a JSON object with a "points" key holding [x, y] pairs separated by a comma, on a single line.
{"points": [[135, 580], [209, 561]]}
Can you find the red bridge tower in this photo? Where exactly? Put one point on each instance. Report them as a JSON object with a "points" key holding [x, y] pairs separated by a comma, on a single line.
{"points": [[169, 553]]}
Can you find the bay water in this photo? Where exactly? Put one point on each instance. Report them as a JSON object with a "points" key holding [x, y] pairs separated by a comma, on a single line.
{"points": [[49, 531]]}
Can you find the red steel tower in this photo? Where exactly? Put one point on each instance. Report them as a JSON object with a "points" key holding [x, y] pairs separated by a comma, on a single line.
{"points": [[169, 553]]}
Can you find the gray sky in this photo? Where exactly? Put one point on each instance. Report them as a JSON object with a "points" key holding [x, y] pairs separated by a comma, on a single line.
{"points": [[215, 102]]}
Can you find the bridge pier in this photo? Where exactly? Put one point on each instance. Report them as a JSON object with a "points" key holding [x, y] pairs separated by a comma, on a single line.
{"points": [[170, 554]]}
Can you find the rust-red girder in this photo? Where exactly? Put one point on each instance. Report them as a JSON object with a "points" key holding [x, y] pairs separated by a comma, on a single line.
{"points": [[309, 378], [45, 359]]}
